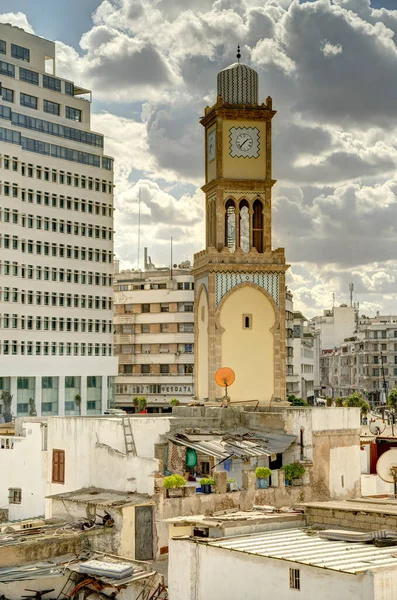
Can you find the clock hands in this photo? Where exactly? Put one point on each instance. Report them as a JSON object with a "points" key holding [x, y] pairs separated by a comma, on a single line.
{"points": [[244, 142]]}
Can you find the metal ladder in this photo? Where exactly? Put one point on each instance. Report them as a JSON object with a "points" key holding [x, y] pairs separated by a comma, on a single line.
{"points": [[128, 437]]}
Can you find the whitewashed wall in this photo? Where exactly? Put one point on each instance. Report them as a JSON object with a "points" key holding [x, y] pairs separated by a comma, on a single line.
{"points": [[23, 467], [95, 453], [200, 572]]}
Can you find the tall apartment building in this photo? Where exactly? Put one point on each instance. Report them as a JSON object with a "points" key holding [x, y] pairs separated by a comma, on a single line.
{"points": [[56, 237], [292, 377], [366, 362], [154, 339], [306, 356], [335, 325]]}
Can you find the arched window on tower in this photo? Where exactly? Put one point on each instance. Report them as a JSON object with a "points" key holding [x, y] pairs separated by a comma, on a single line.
{"points": [[230, 225], [257, 226], [244, 229]]}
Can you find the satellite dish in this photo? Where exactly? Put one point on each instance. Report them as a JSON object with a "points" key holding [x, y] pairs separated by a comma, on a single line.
{"points": [[386, 467], [225, 377], [377, 427]]}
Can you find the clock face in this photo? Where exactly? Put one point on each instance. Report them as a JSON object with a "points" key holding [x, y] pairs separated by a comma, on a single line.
{"points": [[244, 142], [211, 145]]}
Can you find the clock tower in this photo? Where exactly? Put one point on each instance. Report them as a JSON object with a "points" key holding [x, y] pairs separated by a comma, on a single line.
{"points": [[239, 279]]}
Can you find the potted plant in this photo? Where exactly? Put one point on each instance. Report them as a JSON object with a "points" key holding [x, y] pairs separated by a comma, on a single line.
{"points": [[293, 473], [206, 484], [231, 484], [174, 402], [174, 485], [262, 476]]}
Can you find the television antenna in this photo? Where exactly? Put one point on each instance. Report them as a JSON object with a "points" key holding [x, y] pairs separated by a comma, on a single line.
{"points": [[386, 467], [225, 377]]}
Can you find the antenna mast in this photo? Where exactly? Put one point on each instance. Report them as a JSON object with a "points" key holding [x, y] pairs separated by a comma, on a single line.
{"points": [[351, 289]]}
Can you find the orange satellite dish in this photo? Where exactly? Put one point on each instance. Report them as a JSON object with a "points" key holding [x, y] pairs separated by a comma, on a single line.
{"points": [[225, 377]]}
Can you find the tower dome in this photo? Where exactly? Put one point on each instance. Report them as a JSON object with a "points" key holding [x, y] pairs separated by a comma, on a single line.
{"points": [[238, 84]]}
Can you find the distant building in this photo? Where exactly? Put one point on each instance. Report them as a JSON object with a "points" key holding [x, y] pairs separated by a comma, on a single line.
{"points": [[306, 357], [335, 326], [154, 338], [292, 376], [366, 363]]}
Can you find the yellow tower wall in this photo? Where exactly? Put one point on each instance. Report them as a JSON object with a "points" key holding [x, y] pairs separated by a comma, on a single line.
{"points": [[244, 168], [249, 352], [201, 349]]}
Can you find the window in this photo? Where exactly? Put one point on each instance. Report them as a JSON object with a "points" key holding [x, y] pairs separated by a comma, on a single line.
{"points": [[51, 83], [145, 308], [28, 76], [53, 108], [72, 113], [164, 307], [2, 47], [7, 69], [69, 88], [7, 95], [14, 495], [29, 101], [145, 369], [247, 321], [20, 52], [164, 369], [58, 466], [294, 579]]}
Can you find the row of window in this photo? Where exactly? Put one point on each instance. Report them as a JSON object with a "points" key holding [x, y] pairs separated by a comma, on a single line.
{"points": [[16, 51], [14, 348], [151, 369], [155, 327], [33, 77], [31, 145], [62, 275], [164, 307], [382, 335], [14, 321], [54, 299], [42, 125], [55, 201], [55, 225], [56, 176], [153, 348], [57, 250], [182, 285]]}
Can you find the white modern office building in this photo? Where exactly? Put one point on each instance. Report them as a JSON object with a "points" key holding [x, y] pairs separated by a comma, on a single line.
{"points": [[56, 238], [154, 338]]}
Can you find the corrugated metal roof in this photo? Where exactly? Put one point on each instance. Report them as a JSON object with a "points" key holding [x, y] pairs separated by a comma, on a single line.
{"points": [[229, 445], [297, 545]]}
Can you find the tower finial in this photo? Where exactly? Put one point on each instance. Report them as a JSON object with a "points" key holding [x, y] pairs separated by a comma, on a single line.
{"points": [[238, 53]]}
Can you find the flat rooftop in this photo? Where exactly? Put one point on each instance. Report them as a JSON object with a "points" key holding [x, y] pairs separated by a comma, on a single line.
{"points": [[304, 546], [383, 506], [238, 517], [103, 497]]}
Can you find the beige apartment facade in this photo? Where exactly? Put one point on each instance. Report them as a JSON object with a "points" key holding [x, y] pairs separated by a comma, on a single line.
{"points": [[154, 339]]}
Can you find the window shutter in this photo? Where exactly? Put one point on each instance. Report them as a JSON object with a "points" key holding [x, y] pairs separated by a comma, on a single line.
{"points": [[58, 466]]}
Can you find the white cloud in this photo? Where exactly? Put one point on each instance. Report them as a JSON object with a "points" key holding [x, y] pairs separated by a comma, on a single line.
{"points": [[330, 50], [17, 19]]}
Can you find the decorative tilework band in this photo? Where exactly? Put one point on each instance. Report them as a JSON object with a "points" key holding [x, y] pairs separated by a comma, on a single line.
{"points": [[270, 282]]}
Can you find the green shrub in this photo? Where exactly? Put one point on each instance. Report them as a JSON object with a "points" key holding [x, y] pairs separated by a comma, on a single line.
{"points": [[207, 481], [174, 481], [174, 402], [262, 472], [231, 480], [293, 470]]}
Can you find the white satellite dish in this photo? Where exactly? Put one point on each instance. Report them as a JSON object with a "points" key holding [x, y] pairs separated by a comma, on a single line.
{"points": [[386, 467], [377, 427]]}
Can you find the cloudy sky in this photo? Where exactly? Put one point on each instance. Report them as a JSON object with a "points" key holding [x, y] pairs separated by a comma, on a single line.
{"points": [[331, 68]]}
